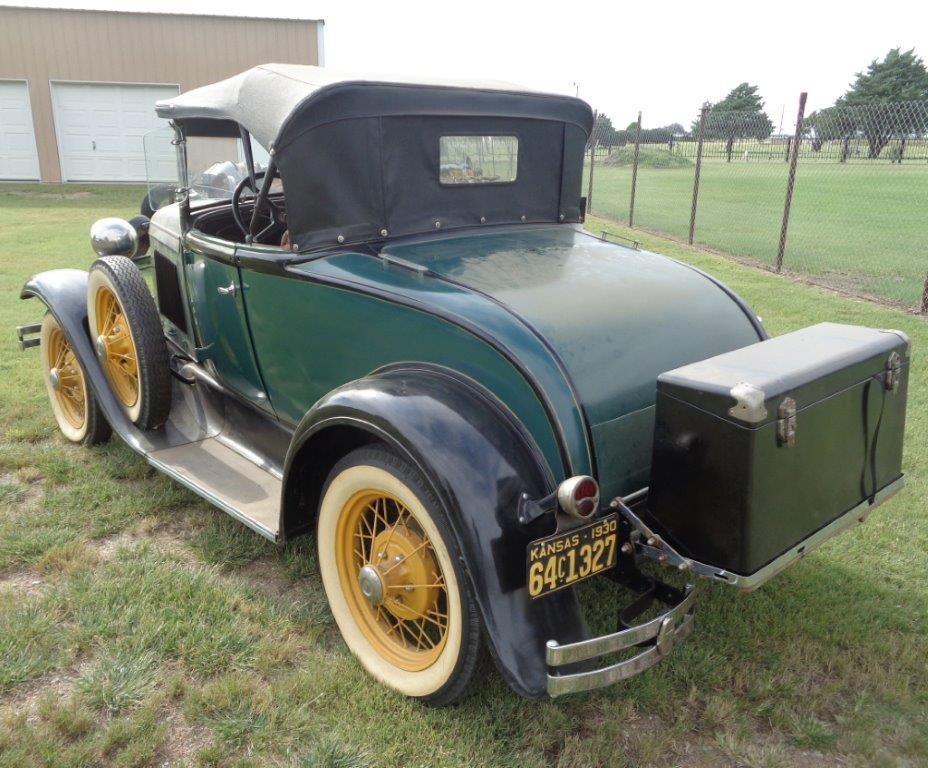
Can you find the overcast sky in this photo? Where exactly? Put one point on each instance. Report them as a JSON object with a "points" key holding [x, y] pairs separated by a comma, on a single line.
{"points": [[664, 58]]}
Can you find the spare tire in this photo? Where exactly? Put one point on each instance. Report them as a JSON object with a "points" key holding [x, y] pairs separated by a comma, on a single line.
{"points": [[126, 330], [146, 208]]}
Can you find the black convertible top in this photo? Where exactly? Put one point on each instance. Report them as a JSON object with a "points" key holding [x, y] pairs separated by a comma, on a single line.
{"points": [[359, 155], [277, 102]]}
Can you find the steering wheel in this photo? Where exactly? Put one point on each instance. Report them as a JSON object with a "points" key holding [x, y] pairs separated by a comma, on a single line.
{"points": [[273, 212]]}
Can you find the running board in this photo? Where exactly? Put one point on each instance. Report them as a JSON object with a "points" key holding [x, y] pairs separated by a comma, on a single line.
{"points": [[223, 449], [225, 478]]}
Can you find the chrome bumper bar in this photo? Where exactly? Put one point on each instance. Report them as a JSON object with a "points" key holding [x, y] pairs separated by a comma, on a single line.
{"points": [[666, 631], [24, 332]]}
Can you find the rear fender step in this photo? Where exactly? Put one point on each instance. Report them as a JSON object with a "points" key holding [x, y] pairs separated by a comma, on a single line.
{"points": [[23, 332]]}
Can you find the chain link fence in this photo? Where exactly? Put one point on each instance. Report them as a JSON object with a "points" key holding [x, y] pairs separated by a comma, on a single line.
{"points": [[841, 200]]}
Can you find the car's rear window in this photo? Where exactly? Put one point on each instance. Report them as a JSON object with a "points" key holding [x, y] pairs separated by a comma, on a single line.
{"points": [[478, 159]]}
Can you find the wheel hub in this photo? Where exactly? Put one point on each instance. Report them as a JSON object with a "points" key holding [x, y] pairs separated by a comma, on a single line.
{"points": [[405, 569], [54, 379], [371, 585]]}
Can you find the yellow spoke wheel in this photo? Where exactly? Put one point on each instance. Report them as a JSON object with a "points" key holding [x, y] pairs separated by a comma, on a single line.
{"points": [[391, 572], [115, 346], [73, 404], [66, 379]]}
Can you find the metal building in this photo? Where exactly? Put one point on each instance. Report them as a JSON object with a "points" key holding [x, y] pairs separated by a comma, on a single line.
{"points": [[78, 87]]}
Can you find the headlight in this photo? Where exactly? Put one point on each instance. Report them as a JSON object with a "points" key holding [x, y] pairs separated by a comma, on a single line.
{"points": [[117, 237]]}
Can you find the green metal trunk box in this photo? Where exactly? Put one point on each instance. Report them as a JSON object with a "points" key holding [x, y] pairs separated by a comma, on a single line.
{"points": [[757, 449]]}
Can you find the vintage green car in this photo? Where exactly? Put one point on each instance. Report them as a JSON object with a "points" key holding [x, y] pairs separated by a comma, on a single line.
{"points": [[376, 316]]}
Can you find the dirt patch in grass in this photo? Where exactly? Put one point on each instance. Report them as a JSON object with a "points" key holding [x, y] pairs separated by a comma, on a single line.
{"points": [[167, 538], [269, 579], [37, 195], [109, 545], [20, 490], [183, 740], [57, 685], [22, 582]]}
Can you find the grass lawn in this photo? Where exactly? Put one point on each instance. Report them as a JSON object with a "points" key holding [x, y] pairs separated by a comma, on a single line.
{"points": [[139, 626], [860, 228]]}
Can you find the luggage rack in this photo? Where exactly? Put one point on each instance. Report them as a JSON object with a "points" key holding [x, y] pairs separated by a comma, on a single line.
{"points": [[644, 542]]}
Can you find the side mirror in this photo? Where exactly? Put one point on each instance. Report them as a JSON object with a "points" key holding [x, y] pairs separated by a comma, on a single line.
{"points": [[117, 237]]}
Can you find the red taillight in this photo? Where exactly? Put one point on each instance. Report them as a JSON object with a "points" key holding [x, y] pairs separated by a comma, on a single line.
{"points": [[578, 496]]}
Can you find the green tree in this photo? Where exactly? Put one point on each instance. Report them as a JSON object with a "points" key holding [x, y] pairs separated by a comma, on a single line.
{"points": [[740, 115], [900, 76], [831, 124], [604, 133]]}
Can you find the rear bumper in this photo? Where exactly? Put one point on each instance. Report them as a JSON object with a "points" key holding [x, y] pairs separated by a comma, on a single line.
{"points": [[568, 664], [656, 637]]}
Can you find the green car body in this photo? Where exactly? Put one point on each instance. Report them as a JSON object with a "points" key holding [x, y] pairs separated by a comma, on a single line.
{"points": [[569, 332]]}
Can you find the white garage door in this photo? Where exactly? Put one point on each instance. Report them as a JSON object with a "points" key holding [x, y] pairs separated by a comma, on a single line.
{"points": [[100, 128], [18, 157]]}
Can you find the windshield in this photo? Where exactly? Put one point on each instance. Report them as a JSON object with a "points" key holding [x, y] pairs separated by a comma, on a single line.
{"points": [[215, 165]]}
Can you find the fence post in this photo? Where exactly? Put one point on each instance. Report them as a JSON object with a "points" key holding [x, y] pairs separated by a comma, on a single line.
{"points": [[589, 187], [791, 179], [702, 130], [631, 205], [589, 190], [924, 307]]}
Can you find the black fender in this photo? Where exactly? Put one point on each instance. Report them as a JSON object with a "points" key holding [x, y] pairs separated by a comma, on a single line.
{"points": [[64, 292], [478, 460]]}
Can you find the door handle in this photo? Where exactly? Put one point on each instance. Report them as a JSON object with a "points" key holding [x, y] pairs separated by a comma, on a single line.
{"points": [[94, 143], [227, 291]]}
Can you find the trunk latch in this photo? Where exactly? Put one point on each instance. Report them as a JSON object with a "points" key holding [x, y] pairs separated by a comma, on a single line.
{"points": [[893, 371], [786, 422]]}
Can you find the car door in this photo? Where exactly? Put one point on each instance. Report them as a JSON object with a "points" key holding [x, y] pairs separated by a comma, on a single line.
{"points": [[218, 308]]}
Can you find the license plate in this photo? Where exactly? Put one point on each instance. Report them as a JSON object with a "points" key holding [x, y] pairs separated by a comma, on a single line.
{"points": [[566, 558]]}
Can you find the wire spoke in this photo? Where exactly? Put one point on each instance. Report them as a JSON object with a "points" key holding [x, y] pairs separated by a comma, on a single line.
{"points": [[392, 531], [421, 637], [421, 615], [379, 514], [364, 549], [396, 628], [115, 314], [416, 586], [61, 354], [108, 314]]}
